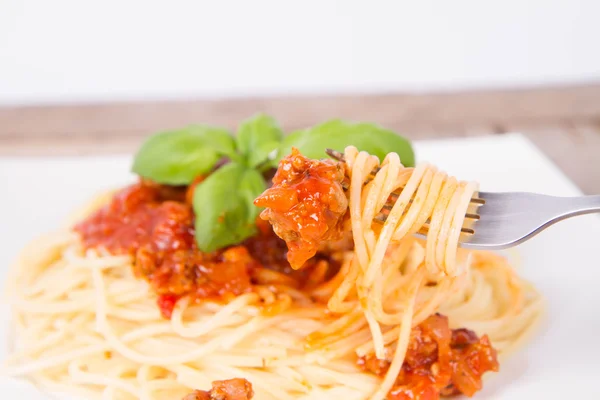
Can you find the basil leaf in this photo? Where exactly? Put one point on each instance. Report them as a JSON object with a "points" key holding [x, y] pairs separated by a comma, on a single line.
{"points": [[257, 137], [177, 157], [224, 208], [221, 140], [337, 134]]}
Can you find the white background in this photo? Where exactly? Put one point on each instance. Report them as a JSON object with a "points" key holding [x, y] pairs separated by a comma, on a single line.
{"points": [[77, 50]]}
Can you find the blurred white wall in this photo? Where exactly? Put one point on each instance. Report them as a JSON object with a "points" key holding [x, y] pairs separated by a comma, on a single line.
{"points": [[76, 50]]}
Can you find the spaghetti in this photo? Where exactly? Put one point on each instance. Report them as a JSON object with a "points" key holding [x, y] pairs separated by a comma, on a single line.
{"points": [[350, 322]]}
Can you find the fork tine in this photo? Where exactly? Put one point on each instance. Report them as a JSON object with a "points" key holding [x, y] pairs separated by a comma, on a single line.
{"points": [[381, 218], [340, 157], [508, 219], [388, 206], [505, 219]]}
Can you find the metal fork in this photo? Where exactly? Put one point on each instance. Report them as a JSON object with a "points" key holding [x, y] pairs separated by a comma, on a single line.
{"points": [[504, 220], [507, 219]]}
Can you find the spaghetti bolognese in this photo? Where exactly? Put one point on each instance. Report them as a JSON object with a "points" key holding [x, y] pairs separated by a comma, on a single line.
{"points": [[316, 298]]}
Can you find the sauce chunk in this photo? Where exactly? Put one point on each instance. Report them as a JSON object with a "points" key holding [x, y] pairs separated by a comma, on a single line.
{"points": [[305, 205], [231, 389], [439, 362]]}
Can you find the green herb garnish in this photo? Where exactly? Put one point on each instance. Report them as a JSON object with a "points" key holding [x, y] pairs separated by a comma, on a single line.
{"points": [[223, 202], [257, 137], [177, 157], [337, 134]]}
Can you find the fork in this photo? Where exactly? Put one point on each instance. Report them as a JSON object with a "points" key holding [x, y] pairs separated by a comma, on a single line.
{"points": [[504, 220], [508, 219]]}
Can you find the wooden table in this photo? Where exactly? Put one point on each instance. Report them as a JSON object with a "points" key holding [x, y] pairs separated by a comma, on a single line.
{"points": [[563, 121]]}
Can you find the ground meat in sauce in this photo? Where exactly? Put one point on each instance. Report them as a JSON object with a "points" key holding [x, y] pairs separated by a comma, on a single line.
{"points": [[231, 389], [158, 232], [305, 205], [439, 362], [155, 224]]}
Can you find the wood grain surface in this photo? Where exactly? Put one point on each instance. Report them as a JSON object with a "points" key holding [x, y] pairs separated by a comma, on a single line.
{"points": [[563, 121]]}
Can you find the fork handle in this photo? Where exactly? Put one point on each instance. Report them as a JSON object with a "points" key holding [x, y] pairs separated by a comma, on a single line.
{"points": [[574, 206]]}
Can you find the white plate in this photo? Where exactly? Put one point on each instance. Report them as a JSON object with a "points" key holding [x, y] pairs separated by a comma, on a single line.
{"points": [[561, 362]]}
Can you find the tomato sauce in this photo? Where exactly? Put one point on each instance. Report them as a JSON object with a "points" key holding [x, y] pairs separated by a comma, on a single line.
{"points": [[439, 362], [305, 205], [231, 389], [155, 225], [152, 224]]}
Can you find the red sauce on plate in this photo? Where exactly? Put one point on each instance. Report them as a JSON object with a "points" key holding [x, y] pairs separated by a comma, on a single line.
{"points": [[439, 362], [158, 232], [230, 389], [155, 225]]}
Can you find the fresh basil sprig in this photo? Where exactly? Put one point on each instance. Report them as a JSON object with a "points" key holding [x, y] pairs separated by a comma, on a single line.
{"points": [[223, 202], [337, 134], [224, 208], [258, 137], [177, 157]]}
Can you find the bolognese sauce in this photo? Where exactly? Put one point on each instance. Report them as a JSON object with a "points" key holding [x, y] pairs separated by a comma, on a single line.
{"points": [[305, 205], [155, 224], [439, 362], [158, 232], [230, 389]]}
